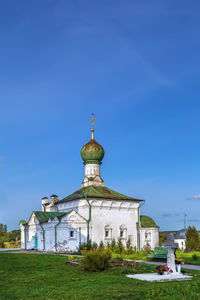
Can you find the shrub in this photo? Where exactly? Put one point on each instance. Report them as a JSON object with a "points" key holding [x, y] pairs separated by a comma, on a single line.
{"points": [[147, 248], [87, 246], [2, 244], [11, 244], [194, 257], [108, 246], [113, 246], [129, 248], [101, 245], [94, 246], [96, 260], [120, 246], [70, 258]]}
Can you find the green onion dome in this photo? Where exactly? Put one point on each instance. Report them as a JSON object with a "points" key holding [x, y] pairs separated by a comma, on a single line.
{"points": [[92, 152]]}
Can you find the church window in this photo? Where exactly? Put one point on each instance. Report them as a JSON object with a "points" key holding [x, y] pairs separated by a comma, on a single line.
{"points": [[148, 236], [123, 232], [71, 233], [108, 232]]}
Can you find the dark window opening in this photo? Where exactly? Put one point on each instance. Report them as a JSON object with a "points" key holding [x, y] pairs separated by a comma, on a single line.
{"points": [[71, 234], [106, 233]]}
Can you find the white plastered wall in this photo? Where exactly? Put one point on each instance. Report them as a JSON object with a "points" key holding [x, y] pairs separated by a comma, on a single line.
{"points": [[71, 222], [113, 216], [105, 215], [149, 235], [31, 229], [181, 243], [22, 227]]}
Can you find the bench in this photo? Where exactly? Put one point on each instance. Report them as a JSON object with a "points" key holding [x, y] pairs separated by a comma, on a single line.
{"points": [[159, 252]]}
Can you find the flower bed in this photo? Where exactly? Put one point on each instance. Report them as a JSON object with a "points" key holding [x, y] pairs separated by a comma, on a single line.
{"points": [[161, 269], [179, 261]]}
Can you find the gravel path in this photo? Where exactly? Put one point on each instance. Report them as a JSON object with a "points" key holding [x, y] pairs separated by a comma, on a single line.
{"points": [[8, 249], [19, 251], [185, 266]]}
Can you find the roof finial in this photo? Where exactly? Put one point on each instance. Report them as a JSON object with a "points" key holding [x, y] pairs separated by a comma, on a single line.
{"points": [[92, 122]]}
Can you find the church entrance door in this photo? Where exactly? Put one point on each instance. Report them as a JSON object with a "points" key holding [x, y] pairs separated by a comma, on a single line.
{"points": [[36, 241]]}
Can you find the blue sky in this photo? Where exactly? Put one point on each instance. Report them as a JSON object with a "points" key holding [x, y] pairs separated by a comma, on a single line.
{"points": [[136, 65]]}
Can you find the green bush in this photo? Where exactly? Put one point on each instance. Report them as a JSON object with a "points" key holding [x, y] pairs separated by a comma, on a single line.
{"points": [[2, 244], [194, 257], [147, 249], [96, 260], [108, 246], [129, 248], [101, 245], [113, 246], [87, 246], [70, 258], [120, 247]]}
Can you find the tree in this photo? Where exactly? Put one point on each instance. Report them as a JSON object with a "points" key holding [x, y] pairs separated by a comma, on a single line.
{"points": [[162, 237], [120, 246], [5, 228], [101, 245], [129, 248], [1, 243], [13, 235], [1, 229], [192, 239], [113, 245], [147, 248]]}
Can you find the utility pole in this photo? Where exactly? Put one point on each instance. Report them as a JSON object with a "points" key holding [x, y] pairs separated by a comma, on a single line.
{"points": [[185, 220]]}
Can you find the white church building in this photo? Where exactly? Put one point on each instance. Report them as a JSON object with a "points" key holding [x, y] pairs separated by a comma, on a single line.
{"points": [[94, 212]]}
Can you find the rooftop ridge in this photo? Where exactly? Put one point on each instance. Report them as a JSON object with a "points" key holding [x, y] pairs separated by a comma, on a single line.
{"points": [[97, 192]]}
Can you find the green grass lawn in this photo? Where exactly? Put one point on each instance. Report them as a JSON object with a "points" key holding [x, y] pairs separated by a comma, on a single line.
{"points": [[35, 276], [188, 257]]}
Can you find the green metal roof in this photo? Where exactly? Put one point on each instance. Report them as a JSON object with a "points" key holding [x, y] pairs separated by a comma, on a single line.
{"points": [[45, 216], [23, 222], [97, 192], [147, 222]]}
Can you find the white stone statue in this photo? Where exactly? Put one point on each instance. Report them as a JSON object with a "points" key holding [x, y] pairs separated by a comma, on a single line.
{"points": [[171, 252]]}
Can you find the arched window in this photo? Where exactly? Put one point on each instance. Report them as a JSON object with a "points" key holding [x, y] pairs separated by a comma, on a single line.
{"points": [[147, 236], [108, 232], [123, 232]]}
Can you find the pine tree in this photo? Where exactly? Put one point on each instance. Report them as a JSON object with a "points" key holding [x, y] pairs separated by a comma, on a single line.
{"points": [[113, 245], [1, 229], [129, 248], [192, 239], [101, 245], [5, 228], [120, 246]]}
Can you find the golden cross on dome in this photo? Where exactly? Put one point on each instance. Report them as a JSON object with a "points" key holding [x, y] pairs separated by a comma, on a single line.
{"points": [[92, 122]]}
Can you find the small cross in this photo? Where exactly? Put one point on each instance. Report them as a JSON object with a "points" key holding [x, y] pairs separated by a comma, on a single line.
{"points": [[92, 121]]}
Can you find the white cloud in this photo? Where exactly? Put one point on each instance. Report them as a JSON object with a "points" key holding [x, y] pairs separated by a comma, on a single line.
{"points": [[194, 197]]}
